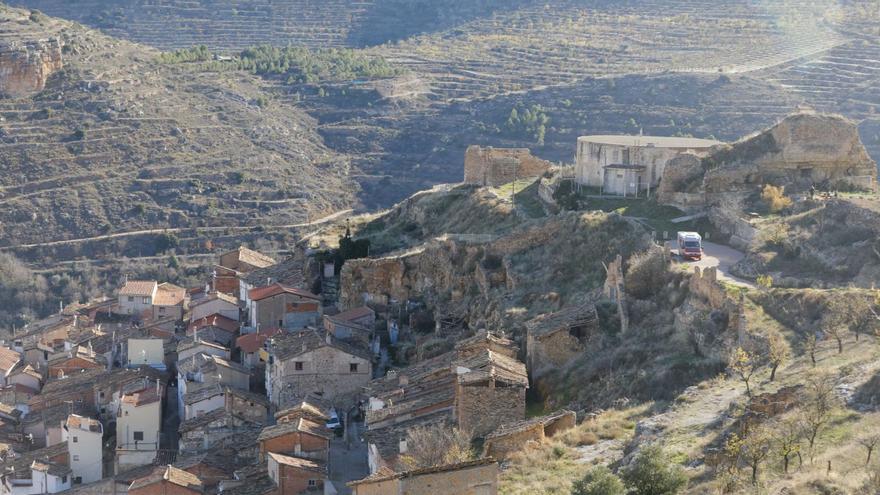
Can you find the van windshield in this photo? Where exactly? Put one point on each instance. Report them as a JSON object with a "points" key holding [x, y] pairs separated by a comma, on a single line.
{"points": [[691, 244]]}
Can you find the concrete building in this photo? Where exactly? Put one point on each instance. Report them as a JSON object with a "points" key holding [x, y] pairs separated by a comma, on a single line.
{"points": [[138, 428], [630, 165], [136, 296], [84, 443], [478, 477]]}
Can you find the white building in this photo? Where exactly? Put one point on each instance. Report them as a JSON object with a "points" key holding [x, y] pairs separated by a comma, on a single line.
{"points": [[150, 352], [215, 304], [83, 436], [136, 296], [629, 165], [138, 428], [46, 477]]}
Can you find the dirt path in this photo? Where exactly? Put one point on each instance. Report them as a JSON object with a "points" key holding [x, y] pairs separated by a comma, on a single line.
{"points": [[327, 219], [716, 256]]}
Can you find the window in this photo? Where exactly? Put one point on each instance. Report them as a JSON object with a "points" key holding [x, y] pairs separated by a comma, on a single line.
{"points": [[313, 483], [63, 480], [78, 480], [353, 367], [75, 457], [280, 323], [138, 436], [75, 439], [161, 310], [130, 298], [101, 395], [146, 300], [298, 366]]}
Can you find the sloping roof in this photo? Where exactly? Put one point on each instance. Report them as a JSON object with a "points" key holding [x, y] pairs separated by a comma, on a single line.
{"points": [[78, 422], [385, 476], [354, 314], [138, 288], [305, 408], [490, 364], [214, 296], [50, 468], [214, 320], [251, 257], [21, 463], [261, 293], [300, 425], [189, 343], [141, 397], [172, 475], [169, 295], [288, 272], [525, 424], [650, 141], [253, 342], [290, 345], [584, 314], [248, 395], [8, 359], [202, 393], [300, 463], [215, 415]]}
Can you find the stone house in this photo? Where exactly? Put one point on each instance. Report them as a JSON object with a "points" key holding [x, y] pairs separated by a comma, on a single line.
{"points": [[479, 477], [84, 443], [456, 389], [17, 475], [216, 303], [290, 272], [208, 369], [295, 475], [9, 359], [74, 361], [498, 166], [303, 409], [171, 481], [136, 296], [283, 307], [46, 477], [313, 362], [251, 347], [203, 399], [138, 427], [214, 328], [169, 302], [248, 405], [513, 437], [234, 264], [26, 376], [300, 437], [554, 339], [210, 467], [629, 165], [354, 324]]}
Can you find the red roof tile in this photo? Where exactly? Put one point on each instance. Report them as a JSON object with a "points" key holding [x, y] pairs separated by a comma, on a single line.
{"points": [[8, 359], [214, 320], [253, 342], [276, 289]]}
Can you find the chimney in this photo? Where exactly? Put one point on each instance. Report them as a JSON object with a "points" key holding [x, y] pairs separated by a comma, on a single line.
{"points": [[329, 338], [402, 379], [157, 387]]}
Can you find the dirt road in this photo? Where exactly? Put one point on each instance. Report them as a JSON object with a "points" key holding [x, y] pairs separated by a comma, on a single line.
{"points": [[716, 256]]}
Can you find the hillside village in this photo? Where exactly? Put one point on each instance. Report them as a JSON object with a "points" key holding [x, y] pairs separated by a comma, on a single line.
{"points": [[627, 310], [410, 349]]}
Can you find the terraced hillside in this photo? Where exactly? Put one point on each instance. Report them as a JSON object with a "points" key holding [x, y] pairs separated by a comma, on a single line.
{"points": [[117, 142]]}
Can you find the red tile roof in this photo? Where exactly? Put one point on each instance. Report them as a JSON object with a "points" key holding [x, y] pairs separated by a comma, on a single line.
{"points": [[169, 295], [253, 342], [141, 397], [138, 288], [354, 314], [8, 359], [214, 320], [276, 289]]}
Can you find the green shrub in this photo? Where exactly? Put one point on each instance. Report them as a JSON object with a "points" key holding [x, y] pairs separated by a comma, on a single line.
{"points": [[598, 481], [651, 473], [647, 273]]}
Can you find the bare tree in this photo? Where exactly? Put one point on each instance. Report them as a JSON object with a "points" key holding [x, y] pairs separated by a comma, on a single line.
{"points": [[787, 436], [837, 318], [744, 364], [777, 352], [869, 442], [435, 445], [810, 344], [865, 320], [819, 402], [755, 447]]}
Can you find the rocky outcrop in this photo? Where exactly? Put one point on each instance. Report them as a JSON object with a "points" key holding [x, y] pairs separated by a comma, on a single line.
{"points": [[499, 166], [682, 182], [26, 66]]}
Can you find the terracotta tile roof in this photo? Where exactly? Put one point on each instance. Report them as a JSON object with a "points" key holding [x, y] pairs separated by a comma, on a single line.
{"points": [[21, 463], [300, 463], [214, 320], [202, 393], [261, 293], [169, 295], [250, 483], [138, 288], [83, 423], [384, 475], [141, 397], [354, 314], [188, 343], [216, 415], [8, 359], [300, 425], [290, 345], [304, 409], [289, 272], [253, 258], [253, 342], [248, 395], [172, 475], [51, 468]]}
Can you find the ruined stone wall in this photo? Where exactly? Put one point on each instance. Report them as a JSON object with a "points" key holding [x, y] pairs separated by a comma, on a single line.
{"points": [[551, 351], [26, 66], [499, 166], [481, 409], [501, 446]]}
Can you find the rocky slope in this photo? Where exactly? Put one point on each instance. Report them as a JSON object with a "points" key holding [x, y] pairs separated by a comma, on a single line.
{"points": [[117, 142]]}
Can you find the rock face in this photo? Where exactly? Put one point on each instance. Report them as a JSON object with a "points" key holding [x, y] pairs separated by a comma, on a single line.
{"points": [[499, 166], [25, 66]]}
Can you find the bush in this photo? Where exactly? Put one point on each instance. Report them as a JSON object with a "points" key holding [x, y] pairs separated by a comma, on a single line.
{"points": [[775, 199], [598, 481], [647, 273], [651, 473]]}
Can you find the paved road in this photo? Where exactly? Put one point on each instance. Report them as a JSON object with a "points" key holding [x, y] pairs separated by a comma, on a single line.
{"points": [[716, 256]]}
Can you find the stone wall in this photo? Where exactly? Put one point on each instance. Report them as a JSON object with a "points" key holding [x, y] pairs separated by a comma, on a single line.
{"points": [[26, 66], [499, 166], [500, 447], [480, 409], [553, 350]]}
